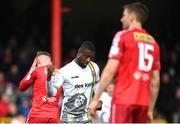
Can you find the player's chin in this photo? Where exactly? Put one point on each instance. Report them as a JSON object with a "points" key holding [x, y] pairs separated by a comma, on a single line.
{"points": [[85, 64]]}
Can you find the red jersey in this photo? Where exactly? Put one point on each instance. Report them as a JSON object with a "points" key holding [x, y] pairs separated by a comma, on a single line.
{"points": [[42, 105], [138, 54]]}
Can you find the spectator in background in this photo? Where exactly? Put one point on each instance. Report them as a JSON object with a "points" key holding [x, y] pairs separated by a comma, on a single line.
{"points": [[44, 109], [23, 62], [13, 74], [2, 82], [24, 107], [134, 60], [4, 105], [13, 110], [176, 115], [166, 99], [19, 119], [7, 60], [1, 53], [176, 107], [7, 87]]}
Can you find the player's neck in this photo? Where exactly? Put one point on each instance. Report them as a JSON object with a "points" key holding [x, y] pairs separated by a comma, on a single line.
{"points": [[135, 25], [78, 62]]}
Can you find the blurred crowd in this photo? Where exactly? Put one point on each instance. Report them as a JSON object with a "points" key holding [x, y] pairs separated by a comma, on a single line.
{"points": [[16, 59]]}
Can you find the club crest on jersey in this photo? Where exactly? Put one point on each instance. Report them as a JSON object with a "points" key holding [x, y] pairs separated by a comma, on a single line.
{"points": [[137, 75]]}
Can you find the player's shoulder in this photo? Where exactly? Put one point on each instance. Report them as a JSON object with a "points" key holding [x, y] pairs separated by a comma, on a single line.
{"points": [[95, 65], [66, 68], [121, 33]]}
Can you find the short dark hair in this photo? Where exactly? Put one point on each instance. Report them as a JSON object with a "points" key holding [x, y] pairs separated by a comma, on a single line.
{"points": [[139, 9], [43, 53], [88, 45]]}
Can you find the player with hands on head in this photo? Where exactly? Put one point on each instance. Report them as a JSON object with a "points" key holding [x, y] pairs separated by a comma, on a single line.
{"points": [[44, 109]]}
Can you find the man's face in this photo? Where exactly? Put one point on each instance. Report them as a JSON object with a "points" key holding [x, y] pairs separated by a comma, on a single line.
{"points": [[126, 19], [84, 57]]}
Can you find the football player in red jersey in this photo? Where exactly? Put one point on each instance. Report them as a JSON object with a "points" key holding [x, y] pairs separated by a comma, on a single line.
{"points": [[44, 109], [134, 61]]}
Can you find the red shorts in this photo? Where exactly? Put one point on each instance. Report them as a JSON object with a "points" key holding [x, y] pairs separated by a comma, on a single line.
{"points": [[42, 120], [122, 113]]}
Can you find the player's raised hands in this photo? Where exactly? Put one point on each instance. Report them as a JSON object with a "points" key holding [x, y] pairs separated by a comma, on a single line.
{"points": [[34, 63]]}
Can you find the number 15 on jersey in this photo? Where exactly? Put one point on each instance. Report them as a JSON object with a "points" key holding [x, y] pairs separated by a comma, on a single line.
{"points": [[144, 54]]}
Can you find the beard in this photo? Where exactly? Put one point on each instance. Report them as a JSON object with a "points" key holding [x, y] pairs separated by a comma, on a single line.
{"points": [[80, 63]]}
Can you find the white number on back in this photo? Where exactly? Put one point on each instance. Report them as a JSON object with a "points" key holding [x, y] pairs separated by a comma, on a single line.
{"points": [[145, 55]]}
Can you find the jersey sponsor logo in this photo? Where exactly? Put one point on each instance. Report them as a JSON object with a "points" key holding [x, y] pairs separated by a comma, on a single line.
{"points": [[138, 75], [83, 85], [143, 37], [49, 99]]}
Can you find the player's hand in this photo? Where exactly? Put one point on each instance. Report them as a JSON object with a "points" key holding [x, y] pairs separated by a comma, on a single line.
{"points": [[50, 72], [99, 107], [92, 107], [150, 117], [34, 63]]}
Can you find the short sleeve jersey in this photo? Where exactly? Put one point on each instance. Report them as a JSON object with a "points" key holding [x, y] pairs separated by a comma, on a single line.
{"points": [[78, 84], [138, 53]]}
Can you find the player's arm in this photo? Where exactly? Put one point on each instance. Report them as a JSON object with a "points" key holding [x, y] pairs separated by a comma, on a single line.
{"points": [[106, 78], [54, 83], [28, 80], [29, 77], [96, 86], [96, 83], [154, 89]]}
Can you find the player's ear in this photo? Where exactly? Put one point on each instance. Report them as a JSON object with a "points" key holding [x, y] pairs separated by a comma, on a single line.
{"points": [[133, 16]]}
